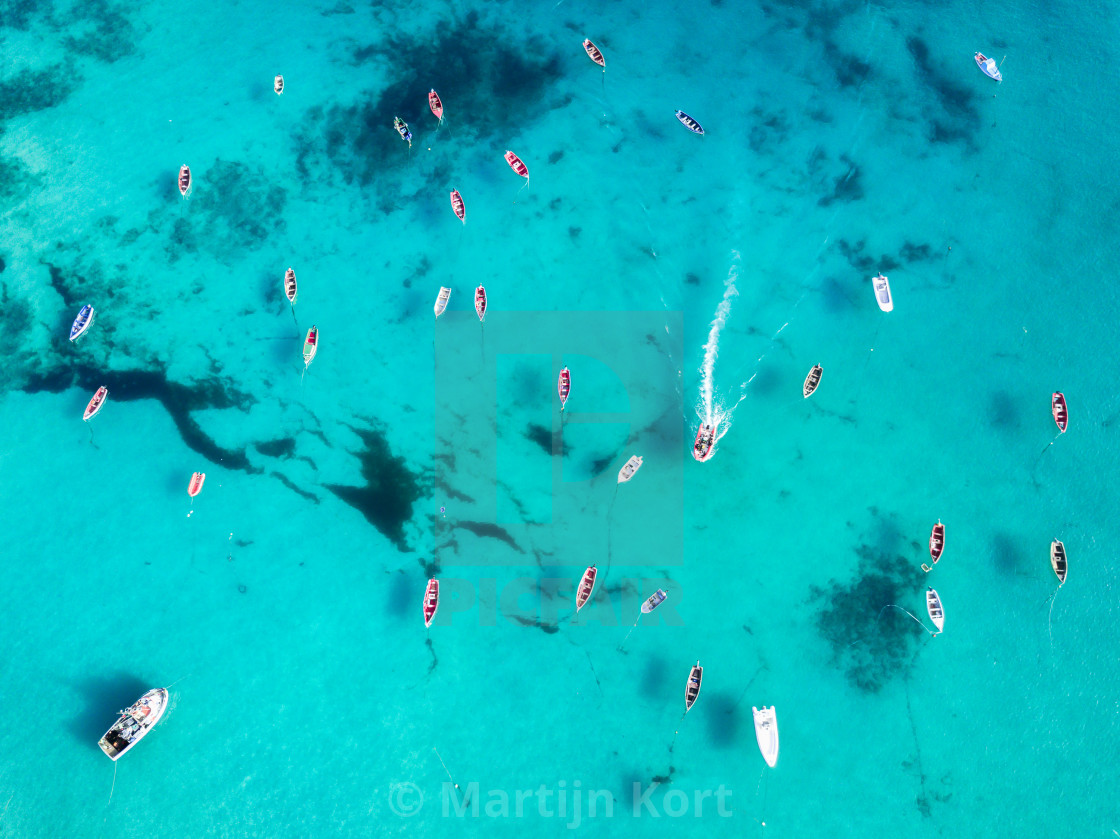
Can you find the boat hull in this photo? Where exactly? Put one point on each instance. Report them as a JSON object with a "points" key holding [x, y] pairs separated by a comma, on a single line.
{"points": [[653, 601], [82, 322], [480, 303], [435, 104], [96, 403], [883, 297], [1058, 561], [310, 346], [933, 607], [766, 733], [431, 601], [186, 183], [988, 66], [811, 381], [586, 587], [441, 300], [134, 723], [594, 53], [516, 165], [936, 542], [290, 286], [705, 445], [1059, 411], [692, 686], [195, 486], [564, 387], [278, 85], [458, 207], [689, 123], [629, 469]]}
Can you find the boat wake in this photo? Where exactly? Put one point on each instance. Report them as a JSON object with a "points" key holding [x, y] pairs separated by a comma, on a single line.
{"points": [[709, 409]]}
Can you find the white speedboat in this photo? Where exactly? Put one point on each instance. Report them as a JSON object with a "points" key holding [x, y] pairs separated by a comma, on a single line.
{"points": [[134, 723], [629, 469], [441, 300], [766, 732], [883, 293]]}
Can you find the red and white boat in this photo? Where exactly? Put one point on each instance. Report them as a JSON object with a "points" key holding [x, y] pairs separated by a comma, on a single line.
{"points": [[458, 206], [96, 403], [310, 346], [594, 53], [278, 85], [1058, 409], [431, 601], [936, 545], [185, 182], [290, 286], [480, 302], [516, 165], [705, 445], [988, 67], [564, 387], [195, 486], [586, 586], [435, 104]]}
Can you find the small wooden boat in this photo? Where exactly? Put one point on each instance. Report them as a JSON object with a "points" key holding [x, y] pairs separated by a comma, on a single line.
{"points": [[766, 733], [594, 53], [936, 545], [480, 303], [458, 206], [310, 346], [933, 606], [185, 182], [692, 686], [278, 85], [1059, 410], [988, 67], [435, 104], [516, 165], [96, 403], [431, 601], [402, 129], [290, 286], [82, 322], [689, 123], [1058, 560], [883, 292], [134, 722], [564, 387], [812, 380], [705, 444], [586, 586], [195, 486], [653, 601], [629, 469], [441, 300]]}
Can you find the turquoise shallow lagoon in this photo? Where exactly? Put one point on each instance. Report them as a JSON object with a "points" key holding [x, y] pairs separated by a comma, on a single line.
{"points": [[283, 605]]}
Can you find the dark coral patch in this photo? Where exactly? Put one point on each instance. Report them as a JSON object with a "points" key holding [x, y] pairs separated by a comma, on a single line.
{"points": [[487, 530], [239, 208], [846, 186], [390, 490], [960, 117], [551, 441], [35, 90], [284, 447]]}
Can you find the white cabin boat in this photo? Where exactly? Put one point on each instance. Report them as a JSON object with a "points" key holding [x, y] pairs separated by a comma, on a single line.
{"points": [[883, 293], [766, 732], [134, 723], [629, 469], [441, 300]]}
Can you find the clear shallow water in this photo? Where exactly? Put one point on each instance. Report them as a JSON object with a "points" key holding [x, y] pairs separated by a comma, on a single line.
{"points": [[290, 611]]}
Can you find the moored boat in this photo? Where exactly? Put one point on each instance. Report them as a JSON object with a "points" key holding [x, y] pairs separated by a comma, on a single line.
{"points": [[564, 387], [458, 206], [278, 84], [82, 322], [936, 544], [692, 686], [705, 445], [653, 601], [766, 733], [1059, 410], [435, 104], [586, 586], [290, 286], [402, 129], [441, 300], [988, 67], [185, 182], [1058, 560], [480, 303], [310, 346], [594, 53], [629, 469], [812, 380], [883, 292], [689, 123], [431, 601], [96, 403], [933, 606], [195, 486], [134, 723], [516, 165]]}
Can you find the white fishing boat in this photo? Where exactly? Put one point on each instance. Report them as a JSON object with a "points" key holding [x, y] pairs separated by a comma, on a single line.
{"points": [[692, 686], [811, 381], [988, 67], [441, 300], [278, 84], [629, 469], [933, 606], [134, 723], [766, 732], [1058, 560], [290, 287], [653, 601], [883, 293]]}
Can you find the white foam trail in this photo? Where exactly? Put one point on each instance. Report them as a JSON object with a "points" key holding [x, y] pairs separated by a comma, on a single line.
{"points": [[711, 349]]}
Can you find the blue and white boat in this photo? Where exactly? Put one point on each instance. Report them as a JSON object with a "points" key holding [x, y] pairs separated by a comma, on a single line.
{"points": [[988, 67], [82, 322], [689, 123]]}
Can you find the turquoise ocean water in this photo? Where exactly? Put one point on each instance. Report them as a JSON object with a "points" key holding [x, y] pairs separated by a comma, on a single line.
{"points": [[285, 609]]}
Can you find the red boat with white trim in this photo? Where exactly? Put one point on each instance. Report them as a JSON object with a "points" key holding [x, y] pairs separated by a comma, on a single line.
{"points": [[936, 545], [95, 404], [586, 586], [480, 302], [564, 387], [594, 53], [435, 104], [1059, 410], [431, 601], [516, 165], [195, 486], [458, 206], [705, 445], [185, 182], [310, 346]]}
